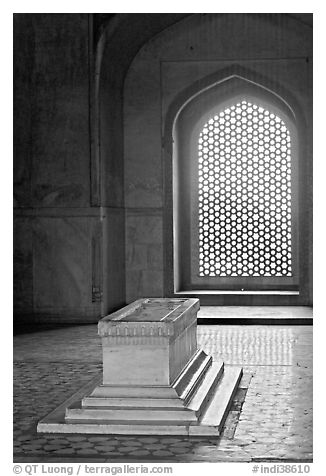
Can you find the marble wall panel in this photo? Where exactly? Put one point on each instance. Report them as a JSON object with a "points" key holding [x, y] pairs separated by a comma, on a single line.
{"points": [[142, 143], [134, 285], [143, 283], [144, 254], [152, 283], [136, 256], [52, 151], [61, 175], [23, 108], [62, 265], [154, 256], [68, 268], [23, 265], [112, 163], [232, 36], [113, 259], [144, 227]]}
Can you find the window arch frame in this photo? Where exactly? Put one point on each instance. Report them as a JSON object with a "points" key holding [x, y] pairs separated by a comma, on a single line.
{"points": [[231, 84], [245, 283]]}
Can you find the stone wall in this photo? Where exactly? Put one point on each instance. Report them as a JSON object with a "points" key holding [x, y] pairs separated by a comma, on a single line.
{"points": [[68, 236], [276, 46]]}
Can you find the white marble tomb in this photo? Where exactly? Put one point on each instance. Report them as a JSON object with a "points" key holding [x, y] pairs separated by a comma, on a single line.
{"points": [[155, 380]]}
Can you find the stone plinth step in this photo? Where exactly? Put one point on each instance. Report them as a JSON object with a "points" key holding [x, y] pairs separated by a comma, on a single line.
{"points": [[135, 391], [101, 428], [220, 386], [212, 420], [135, 403], [203, 394], [127, 415], [191, 377]]}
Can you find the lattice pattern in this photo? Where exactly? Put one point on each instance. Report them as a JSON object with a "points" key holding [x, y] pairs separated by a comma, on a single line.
{"points": [[244, 156]]}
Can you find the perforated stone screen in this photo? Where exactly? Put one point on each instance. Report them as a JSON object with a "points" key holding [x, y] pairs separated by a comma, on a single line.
{"points": [[244, 156]]}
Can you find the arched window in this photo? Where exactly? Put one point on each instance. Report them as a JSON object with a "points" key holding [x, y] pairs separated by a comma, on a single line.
{"points": [[244, 194], [235, 181]]}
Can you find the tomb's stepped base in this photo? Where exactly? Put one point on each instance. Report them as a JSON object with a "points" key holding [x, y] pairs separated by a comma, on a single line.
{"points": [[196, 404], [154, 380]]}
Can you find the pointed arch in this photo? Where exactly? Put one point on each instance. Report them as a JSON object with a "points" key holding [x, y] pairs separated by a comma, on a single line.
{"points": [[185, 119]]}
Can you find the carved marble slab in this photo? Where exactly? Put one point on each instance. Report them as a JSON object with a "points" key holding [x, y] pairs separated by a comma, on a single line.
{"points": [[148, 342]]}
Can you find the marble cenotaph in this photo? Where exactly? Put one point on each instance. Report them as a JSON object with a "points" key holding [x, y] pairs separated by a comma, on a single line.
{"points": [[155, 380]]}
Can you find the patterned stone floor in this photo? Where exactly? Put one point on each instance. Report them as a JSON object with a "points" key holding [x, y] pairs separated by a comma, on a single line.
{"points": [[271, 418]]}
